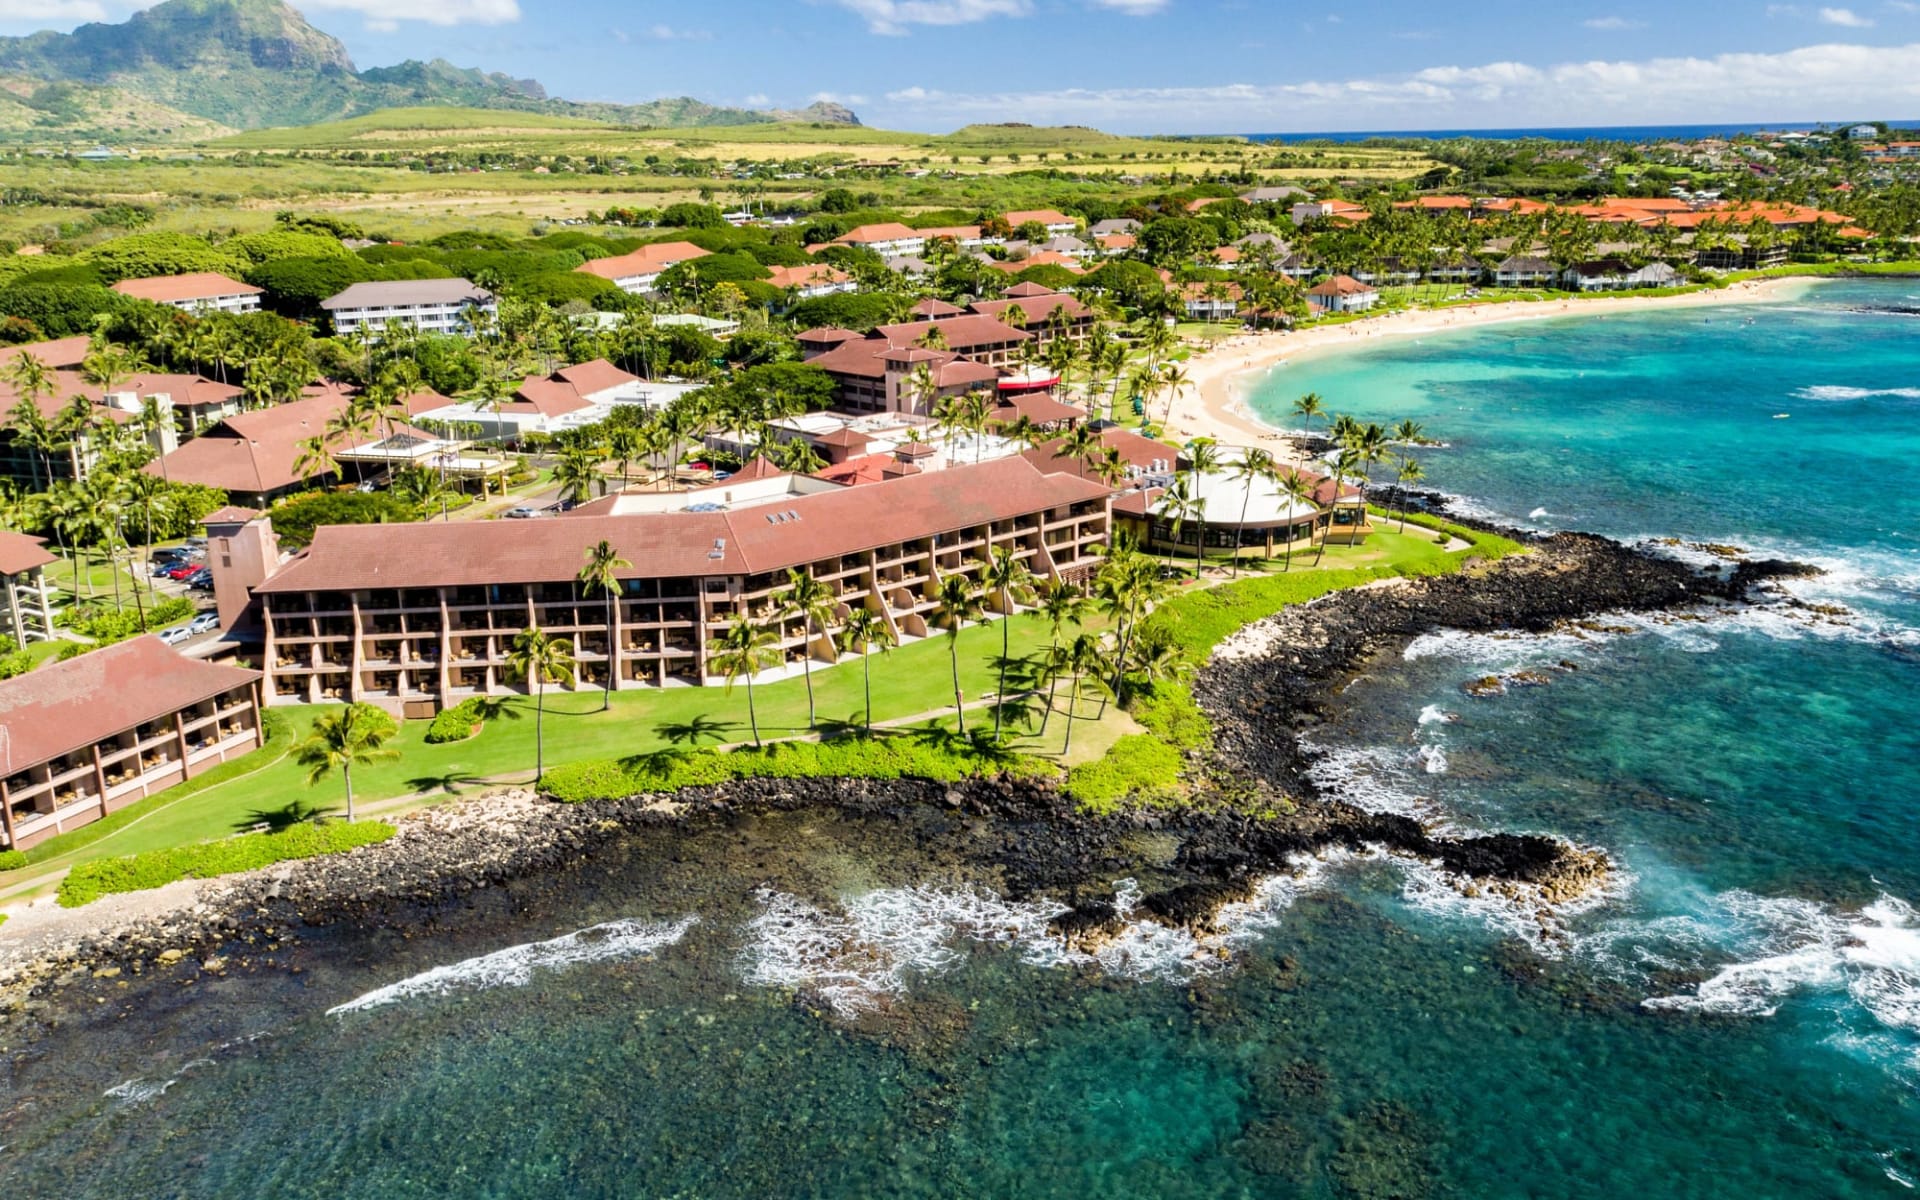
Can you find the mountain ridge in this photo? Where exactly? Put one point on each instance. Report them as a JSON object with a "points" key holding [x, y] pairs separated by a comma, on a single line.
{"points": [[254, 64]]}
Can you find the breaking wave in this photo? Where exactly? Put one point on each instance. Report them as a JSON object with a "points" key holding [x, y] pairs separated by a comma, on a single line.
{"points": [[516, 965], [1836, 393]]}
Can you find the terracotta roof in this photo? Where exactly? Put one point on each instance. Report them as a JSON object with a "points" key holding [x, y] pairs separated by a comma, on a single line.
{"points": [[934, 307], [1339, 285], [1023, 291], [828, 336], [886, 231], [802, 276], [1037, 308], [1037, 407], [66, 385], [187, 391], [232, 514], [1039, 258], [961, 332], [22, 552], [866, 469], [254, 452], [174, 289], [1046, 216], [1136, 451], [1117, 241], [752, 540], [647, 260], [61, 352], [959, 233], [66, 706], [548, 397]]}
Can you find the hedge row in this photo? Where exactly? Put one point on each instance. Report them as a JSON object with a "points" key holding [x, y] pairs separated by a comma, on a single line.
{"points": [[853, 758], [455, 724], [119, 625], [12, 860], [138, 872], [18, 662], [1140, 769]]}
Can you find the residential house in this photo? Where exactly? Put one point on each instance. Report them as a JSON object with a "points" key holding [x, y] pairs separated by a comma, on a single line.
{"points": [[1613, 275], [204, 291], [1276, 195], [810, 280], [89, 736], [1211, 302], [1333, 210], [887, 239], [1341, 294], [639, 273], [1524, 270], [427, 305], [1057, 223]]}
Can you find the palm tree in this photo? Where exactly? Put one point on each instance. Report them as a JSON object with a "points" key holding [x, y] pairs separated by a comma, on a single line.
{"points": [[540, 660], [1083, 658], [1255, 465], [1296, 488], [1409, 433], [1175, 379], [1307, 408], [1178, 502], [956, 605], [602, 574], [1409, 471], [1061, 604], [1008, 578], [576, 471], [814, 603], [315, 459], [745, 649], [354, 736], [624, 445], [1202, 457], [1080, 444], [864, 630]]}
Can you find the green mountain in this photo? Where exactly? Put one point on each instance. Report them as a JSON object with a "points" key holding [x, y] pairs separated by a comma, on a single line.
{"points": [[252, 64]]}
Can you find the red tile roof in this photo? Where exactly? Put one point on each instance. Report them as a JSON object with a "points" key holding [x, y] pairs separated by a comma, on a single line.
{"points": [[935, 307], [886, 231], [1039, 258], [232, 514], [962, 333], [1046, 216], [61, 352], [20, 552], [1037, 307], [647, 260], [175, 289], [806, 275], [254, 452], [751, 540], [1339, 285], [66, 706], [1136, 451]]}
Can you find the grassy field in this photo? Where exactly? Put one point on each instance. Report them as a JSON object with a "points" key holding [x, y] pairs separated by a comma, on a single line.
{"points": [[240, 182], [912, 687]]}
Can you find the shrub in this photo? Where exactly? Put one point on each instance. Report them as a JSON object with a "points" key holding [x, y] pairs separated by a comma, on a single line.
{"points": [[19, 662], [117, 625], [156, 868], [455, 724], [1168, 711], [1139, 767], [12, 860], [854, 758]]}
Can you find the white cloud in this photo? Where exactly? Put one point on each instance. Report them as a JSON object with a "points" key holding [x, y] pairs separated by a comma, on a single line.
{"points": [[1612, 24], [846, 98], [1824, 80], [386, 15], [52, 10], [893, 17], [1846, 18], [667, 33], [1133, 8]]}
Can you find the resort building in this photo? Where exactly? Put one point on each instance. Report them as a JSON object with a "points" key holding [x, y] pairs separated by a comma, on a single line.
{"points": [[428, 305], [1243, 517], [569, 398], [1341, 294], [1524, 270], [1211, 301], [417, 616], [887, 239], [26, 598], [639, 273], [1612, 275], [811, 280], [202, 292], [89, 736], [75, 452], [1057, 223]]}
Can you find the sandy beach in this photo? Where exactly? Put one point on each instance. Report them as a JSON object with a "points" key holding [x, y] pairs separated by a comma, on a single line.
{"points": [[1214, 405]]}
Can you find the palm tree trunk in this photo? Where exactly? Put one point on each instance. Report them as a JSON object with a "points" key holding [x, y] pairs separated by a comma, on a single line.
{"points": [[866, 673], [1053, 681], [613, 658], [539, 733], [806, 665], [953, 657], [753, 717], [346, 773], [1073, 698], [1000, 697]]}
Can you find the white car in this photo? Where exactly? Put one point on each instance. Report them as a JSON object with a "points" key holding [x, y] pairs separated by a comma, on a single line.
{"points": [[522, 513], [206, 622], [175, 635]]}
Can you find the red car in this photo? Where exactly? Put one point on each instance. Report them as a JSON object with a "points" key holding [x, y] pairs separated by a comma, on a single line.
{"points": [[182, 571]]}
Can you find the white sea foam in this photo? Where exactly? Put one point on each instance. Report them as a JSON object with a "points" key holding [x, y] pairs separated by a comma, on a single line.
{"points": [[1433, 714], [136, 1092], [1872, 956], [516, 965], [1433, 759], [1837, 393], [1519, 912], [875, 945], [1374, 778]]}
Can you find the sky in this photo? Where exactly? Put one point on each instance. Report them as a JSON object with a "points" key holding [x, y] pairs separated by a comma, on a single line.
{"points": [[1168, 66]]}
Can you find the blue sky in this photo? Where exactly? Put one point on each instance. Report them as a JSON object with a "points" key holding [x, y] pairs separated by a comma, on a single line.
{"points": [[1164, 65]]}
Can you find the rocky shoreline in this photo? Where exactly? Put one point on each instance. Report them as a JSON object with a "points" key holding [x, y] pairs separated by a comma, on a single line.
{"points": [[1269, 684]]}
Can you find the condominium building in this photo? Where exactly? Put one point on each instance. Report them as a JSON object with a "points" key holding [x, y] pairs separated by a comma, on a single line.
{"points": [[202, 291], [26, 598], [639, 273], [89, 736], [414, 617], [428, 305]]}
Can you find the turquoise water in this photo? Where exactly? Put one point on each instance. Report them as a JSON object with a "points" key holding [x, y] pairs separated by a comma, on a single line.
{"points": [[1741, 1017]]}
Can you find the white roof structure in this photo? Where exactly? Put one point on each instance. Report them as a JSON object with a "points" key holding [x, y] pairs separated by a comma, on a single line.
{"points": [[1227, 502]]}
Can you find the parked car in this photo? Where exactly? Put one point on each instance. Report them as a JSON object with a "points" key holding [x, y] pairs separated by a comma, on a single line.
{"points": [[523, 513], [197, 543], [175, 635], [206, 622], [201, 579], [185, 569]]}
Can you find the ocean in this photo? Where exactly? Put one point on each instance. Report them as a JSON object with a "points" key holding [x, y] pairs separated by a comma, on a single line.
{"points": [[812, 1006], [1571, 133]]}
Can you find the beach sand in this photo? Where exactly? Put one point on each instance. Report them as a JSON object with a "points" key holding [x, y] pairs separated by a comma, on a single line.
{"points": [[1213, 406]]}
